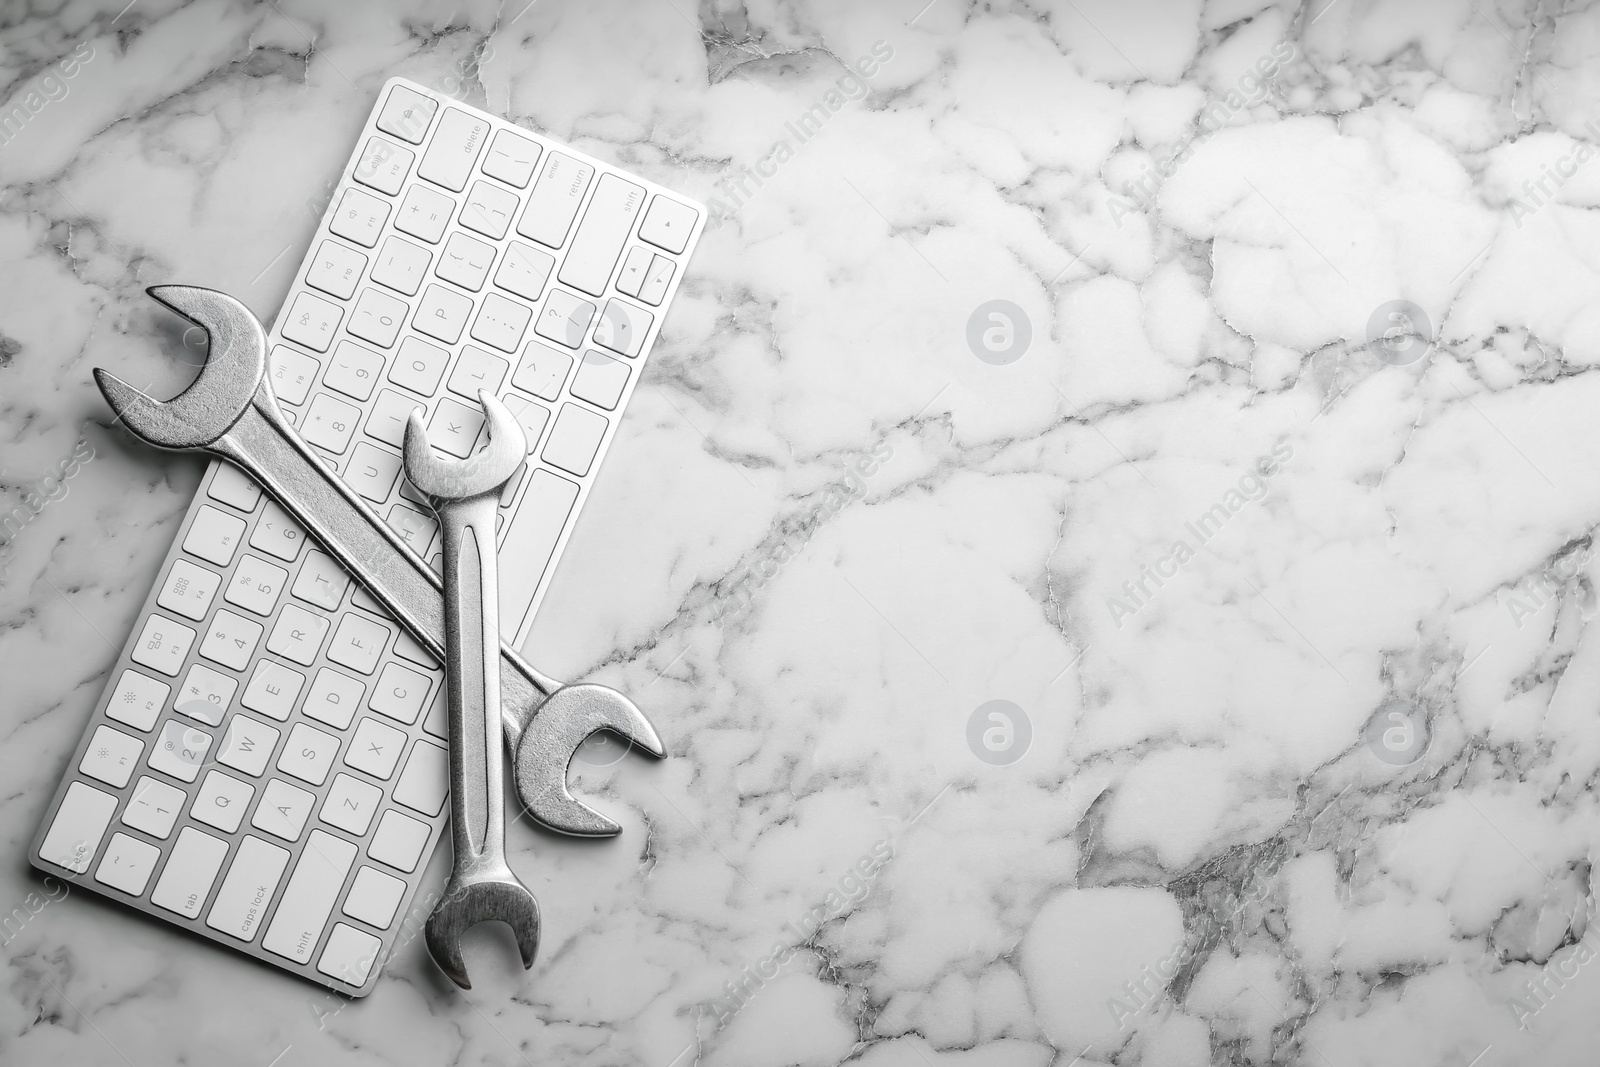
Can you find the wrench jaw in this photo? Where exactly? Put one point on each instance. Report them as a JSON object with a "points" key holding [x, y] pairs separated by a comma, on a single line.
{"points": [[487, 471], [553, 736], [465, 905], [236, 366]]}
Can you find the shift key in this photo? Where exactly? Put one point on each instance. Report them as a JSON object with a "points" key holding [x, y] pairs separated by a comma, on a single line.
{"points": [[601, 234], [308, 900], [453, 150]]}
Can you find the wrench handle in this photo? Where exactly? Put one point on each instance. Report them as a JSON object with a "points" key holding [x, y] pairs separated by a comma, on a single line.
{"points": [[266, 447]]}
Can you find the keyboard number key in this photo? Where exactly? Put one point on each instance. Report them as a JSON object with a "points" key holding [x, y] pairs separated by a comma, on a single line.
{"points": [[312, 322], [353, 370], [336, 269], [189, 589], [330, 423], [163, 645], [154, 807], [351, 804], [221, 801], [255, 585], [277, 534], [214, 535], [205, 694], [575, 439], [377, 317], [111, 757], [359, 217], [137, 700], [179, 750], [383, 166], [231, 640], [358, 643]]}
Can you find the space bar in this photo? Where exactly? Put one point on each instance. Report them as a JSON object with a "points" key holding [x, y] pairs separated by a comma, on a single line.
{"points": [[529, 544]]}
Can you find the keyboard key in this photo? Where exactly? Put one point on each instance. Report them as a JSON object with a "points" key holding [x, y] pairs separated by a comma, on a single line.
{"points": [[553, 204], [321, 581], [455, 427], [298, 634], [442, 313], [523, 270], [406, 114], [401, 265], [186, 880], [387, 422], [575, 439], [189, 589], [277, 534], [231, 485], [598, 243], [214, 535], [501, 322], [351, 804], [231, 640], [308, 754], [353, 370], [138, 699], [535, 529], [272, 689], [153, 807], [360, 217], [79, 824], [541, 370], [418, 366], [377, 317], [283, 810], [399, 841], [634, 269], [400, 693], [330, 423], [312, 321], [383, 166], [436, 722], [415, 528], [334, 698], [179, 751], [358, 643], [247, 888], [206, 694], [454, 148], [668, 224], [600, 380], [466, 261], [374, 897], [221, 801], [336, 269], [247, 745], [162, 645], [424, 213], [128, 864], [475, 370], [112, 755], [511, 159], [375, 748], [622, 327], [309, 897], [655, 285], [488, 209], [256, 584], [372, 472], [565, 318], [426, 779], [292, 374], [531, 417], [349, 954], [406, 646]]}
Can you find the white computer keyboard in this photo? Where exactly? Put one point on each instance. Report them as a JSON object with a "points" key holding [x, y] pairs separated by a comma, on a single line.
{"points": [[266, 766]]}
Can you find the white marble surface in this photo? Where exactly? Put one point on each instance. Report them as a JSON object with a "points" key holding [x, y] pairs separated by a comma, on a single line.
{"points": [[1201, 857]]}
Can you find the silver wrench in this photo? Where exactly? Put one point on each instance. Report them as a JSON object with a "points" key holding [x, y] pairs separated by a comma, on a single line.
{"points": [[466, 496], [230, 411]]}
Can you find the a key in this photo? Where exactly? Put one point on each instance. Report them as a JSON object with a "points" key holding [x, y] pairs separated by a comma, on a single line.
{"points": [[465, 261], [128, 864], [221, 801], [565, 318], [277, 534], [334, 698], [442, 313], [377, 317], [654, 289], [206, 694], [574, 440], [375, 749], [351, 804], [418, 366], [600, 380], [415, 528], [387, 422], [353, 370], [242, 899], [247, 745], [188, 590], [309, 897], [330, 423], [358, 643], [137, 700], [399, 841], [272, 689], [401, 265], [230, 485], [488, 209], [541, 370], [179, 750], [321, 581], [634, 269], [336, 269], [622, 327], [372, 472], [283, 810], [255, 584], [604, 230], [230, 640], [80, 823], [383, 166], [425, 781], [191, 869], [475, 370], [214, 535], [153, 807], [535, 529], [163, 645], [453, 150], [668, 224], [407, 114], [400, 693], [308, 754], [349, 954], [298, 634], [374, 897], [501, 322], [553, 204], [523, 270], [511, 159], [292, 374], [111, 757], [312, 321], [424, 213], [360, 217], [532, 418], [455, 427]]}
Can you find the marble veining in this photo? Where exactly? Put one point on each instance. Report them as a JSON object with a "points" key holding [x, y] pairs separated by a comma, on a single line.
{"points": [[1107, 531]]}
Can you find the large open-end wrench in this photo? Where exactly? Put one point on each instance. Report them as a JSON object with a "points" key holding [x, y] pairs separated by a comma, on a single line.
{"points": [[466, 496], [230, 411]]}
